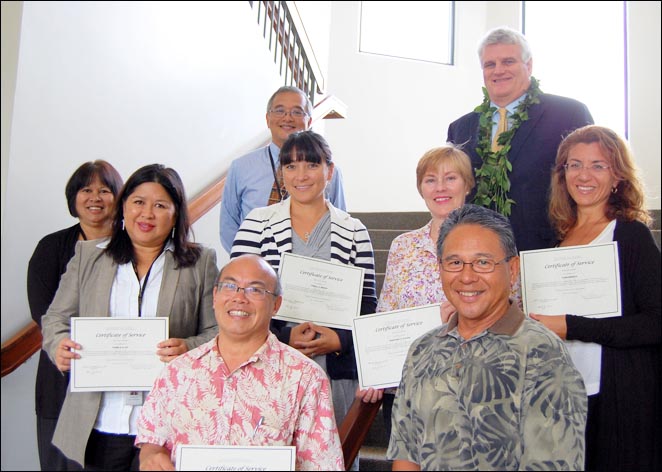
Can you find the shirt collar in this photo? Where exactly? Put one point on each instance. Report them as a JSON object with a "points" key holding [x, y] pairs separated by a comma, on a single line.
{"points": [[507, 325], [275, 152], [512, 106], [170, 246]]}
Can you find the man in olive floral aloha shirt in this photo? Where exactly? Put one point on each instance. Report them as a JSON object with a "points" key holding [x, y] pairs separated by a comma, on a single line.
{"points": [[492, 389]]}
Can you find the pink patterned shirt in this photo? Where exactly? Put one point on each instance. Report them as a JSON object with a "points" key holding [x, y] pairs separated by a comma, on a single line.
{"points": [[197, 400], [412, 273]]}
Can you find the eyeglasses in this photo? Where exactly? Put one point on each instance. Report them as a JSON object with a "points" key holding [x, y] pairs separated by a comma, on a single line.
{"points": [[294, 113], [576, 167], [254, 293], [481, 266]]}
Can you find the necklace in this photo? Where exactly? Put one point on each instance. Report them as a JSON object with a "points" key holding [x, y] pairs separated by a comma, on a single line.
{"points": [[492, 182]]}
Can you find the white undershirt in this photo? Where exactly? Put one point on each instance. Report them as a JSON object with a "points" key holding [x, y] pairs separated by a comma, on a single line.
{"points": [[115, 416], [588, 356]]}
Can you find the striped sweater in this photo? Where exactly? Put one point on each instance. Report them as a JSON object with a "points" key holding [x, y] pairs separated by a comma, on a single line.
{"points": [[267, 231]]}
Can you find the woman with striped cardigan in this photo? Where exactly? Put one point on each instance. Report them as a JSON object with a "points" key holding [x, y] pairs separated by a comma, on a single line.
{"points": [[307, 224]]}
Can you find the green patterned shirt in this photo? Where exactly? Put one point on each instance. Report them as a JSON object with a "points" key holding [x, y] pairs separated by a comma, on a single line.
{"points": [[509, 398]]}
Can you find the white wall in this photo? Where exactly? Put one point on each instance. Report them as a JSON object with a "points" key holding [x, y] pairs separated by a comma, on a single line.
{"points": [[400, 108]]}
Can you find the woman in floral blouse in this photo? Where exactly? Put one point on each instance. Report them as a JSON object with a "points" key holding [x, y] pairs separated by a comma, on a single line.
{"points": [[444, 178]]}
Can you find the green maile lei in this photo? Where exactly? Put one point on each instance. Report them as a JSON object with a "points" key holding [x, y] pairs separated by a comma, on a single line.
{"points": [[492, 179]]}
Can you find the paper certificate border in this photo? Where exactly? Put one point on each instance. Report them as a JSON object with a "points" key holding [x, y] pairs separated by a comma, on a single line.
{"points": [[570, 249], [357, 335], [75, 321], [186, 452], [342, 324]]}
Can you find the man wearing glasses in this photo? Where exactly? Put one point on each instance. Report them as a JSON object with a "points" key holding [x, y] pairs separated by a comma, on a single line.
{"points": [[492, 389], [253, 180], [243, 388]]}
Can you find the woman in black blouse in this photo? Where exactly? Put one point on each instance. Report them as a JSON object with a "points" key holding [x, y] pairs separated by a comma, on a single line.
{"points": [[597, 197], [90, 193]]}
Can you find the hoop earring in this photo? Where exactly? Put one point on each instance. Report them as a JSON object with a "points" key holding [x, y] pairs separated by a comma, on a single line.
{"points": [[614, 189], [173, 232], [122, 224]]}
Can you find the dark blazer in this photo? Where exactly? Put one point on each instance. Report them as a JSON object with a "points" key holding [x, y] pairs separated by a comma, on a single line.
{"points": [[532, 155], [47, 264], [185, 297]]}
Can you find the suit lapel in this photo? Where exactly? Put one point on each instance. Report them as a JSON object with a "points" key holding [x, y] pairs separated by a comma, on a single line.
{"points": [[101, 304], [536, 112], [168, 286]]}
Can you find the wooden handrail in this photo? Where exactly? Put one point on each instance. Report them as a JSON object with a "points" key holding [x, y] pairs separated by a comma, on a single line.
{"points": [[354, 428], [20, 348]]}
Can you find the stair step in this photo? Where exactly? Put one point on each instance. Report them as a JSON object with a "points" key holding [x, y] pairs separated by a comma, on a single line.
{"points": [[373, 458], [405, 220], [382, 238]]}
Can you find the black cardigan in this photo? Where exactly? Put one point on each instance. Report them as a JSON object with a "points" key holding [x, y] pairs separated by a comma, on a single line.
{"points": [[47, 264], [627, 412]]}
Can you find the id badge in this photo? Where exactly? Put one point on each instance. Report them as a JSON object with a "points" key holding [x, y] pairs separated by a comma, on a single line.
{"points": [[133, 398]]}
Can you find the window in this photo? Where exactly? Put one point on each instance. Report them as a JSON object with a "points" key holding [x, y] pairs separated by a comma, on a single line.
{"points": [[579, 51], [412, 30]]}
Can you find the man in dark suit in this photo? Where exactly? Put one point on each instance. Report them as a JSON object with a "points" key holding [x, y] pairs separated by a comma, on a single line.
{"points": [[531, 145]]}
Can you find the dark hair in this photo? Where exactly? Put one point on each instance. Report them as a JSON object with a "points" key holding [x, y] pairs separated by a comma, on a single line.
{"points": [[470, 214], [625, 204], [305, 146], [85, 174], [120, 247], [291, 89]]}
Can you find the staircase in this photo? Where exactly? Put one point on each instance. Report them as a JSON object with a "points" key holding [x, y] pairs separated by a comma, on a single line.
{"points": [[383, 227]]}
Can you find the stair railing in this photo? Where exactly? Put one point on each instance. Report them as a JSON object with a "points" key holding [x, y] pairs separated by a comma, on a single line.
{"points": [[283, 29]]}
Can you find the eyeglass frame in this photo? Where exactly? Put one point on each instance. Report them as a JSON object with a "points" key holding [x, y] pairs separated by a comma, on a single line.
{"points": [[505, 259], [277, 113], [249, 292], [597, 168]]}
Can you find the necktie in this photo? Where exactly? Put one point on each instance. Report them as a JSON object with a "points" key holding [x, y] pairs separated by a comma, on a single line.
{"points": [[503, 126], [278, 193]]}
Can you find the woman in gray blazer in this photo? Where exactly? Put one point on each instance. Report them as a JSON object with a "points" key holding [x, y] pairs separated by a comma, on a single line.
{"points": [[148, 268]]}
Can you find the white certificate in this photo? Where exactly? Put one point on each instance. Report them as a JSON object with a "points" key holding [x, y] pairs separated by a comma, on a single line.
{"points": [[324, 292], [578, 280], [381, 342], [118, 354], [235, 457]]}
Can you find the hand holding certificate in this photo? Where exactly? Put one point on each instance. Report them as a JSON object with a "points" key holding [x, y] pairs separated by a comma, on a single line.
{"points": [[320, 291], [118, 354], [580, 280], [381, 342]]}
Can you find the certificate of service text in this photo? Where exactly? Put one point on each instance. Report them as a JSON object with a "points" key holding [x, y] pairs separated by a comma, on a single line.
{"points": [[381, 342], [577, 280], [235, 457], [324, 292], [118, 354]]}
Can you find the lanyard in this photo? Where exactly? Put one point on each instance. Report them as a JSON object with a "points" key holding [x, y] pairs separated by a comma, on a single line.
{"points": [[143, 287]]}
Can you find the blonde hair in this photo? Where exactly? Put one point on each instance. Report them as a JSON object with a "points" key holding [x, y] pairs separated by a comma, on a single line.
{"points": [[451, 156], [626, 204]]}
